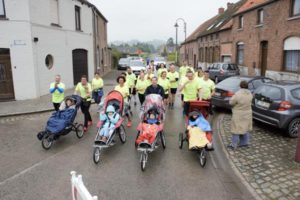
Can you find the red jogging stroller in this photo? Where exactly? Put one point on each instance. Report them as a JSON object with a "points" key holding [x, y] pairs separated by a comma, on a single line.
{"points": [[202, 107], [115, 99]]}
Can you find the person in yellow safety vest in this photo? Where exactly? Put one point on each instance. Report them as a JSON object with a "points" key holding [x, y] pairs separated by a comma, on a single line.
{"points": [[165, 83], [57, 89], [184, 68], [97, 87], [141, 86], [84, 90], [130, 81], [161, 69], [208, 87], [124, 90], [191, 90], [173, 77]]}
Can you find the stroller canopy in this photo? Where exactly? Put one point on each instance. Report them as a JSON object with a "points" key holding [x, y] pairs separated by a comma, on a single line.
{"points": [[115, 99], [153, 101]]}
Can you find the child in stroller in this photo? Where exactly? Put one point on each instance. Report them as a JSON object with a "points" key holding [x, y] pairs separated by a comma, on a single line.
{"points": [[149, 128], [199, 131], [109, 120]]}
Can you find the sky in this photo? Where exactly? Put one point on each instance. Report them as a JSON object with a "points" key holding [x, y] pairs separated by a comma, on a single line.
{"points": [[146, 20]]}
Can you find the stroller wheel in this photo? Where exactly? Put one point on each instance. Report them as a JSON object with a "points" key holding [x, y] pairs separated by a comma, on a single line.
{"points": [[137, 136], [47, 141], [79, 131], [180, 140], [122, 134], [143, 161], [163, 139], [202, 157], [96, 155]]}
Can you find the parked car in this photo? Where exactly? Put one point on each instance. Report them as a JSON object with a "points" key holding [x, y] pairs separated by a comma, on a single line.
{"points": [[123, 64], [136, 58], [158, 61], [278, 104], [221, 71], [137, 66], [227, 88]]}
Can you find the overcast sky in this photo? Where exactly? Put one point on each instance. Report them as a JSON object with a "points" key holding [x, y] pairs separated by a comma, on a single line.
{"points": [[146, 20]]}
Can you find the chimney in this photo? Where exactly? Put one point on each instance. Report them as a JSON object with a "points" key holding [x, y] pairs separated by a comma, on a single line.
{"points": [[230, 5], [221, 10]]}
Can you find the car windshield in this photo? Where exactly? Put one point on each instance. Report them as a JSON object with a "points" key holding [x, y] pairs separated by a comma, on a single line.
{"points": [[136, 63], [231, 83], [123, 61], [159, 59], [230, 67], [274, 93]]}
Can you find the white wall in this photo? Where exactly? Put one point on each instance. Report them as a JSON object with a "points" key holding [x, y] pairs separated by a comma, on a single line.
{"points": [[15, 34]]}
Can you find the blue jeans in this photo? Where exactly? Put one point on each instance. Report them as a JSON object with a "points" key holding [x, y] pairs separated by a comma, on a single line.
{"points": [[96, 97], [240, 140]]}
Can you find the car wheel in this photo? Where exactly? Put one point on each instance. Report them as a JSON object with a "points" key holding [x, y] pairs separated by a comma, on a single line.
{"points": [[293, 128]]}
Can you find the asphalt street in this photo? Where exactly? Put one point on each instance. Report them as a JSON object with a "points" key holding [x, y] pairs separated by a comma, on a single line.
{"points": [[29, 172]]}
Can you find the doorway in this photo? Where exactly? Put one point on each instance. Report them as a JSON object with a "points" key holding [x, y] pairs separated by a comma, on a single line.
{"points": [[6, 79], [80, 64], [263, 57]]}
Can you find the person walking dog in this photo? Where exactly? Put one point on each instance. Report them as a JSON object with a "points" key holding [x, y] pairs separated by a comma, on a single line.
{"points": [[241, 122]]}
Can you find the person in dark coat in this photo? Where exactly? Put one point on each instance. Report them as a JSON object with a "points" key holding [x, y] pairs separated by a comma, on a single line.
{"points": [[154, 88]]}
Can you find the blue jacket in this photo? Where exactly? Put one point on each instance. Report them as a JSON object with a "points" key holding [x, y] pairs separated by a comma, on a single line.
{"points": [[109, 122], [201, 122], [60, 120]]}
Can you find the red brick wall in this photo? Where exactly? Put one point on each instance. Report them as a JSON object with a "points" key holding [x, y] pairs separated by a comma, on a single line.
{"points": [[276, 28]]}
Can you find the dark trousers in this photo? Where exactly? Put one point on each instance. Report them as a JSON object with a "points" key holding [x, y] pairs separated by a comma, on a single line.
{"points": [[141, 98], [96, 97], [186, 107], [85, 108], [56, 106]]}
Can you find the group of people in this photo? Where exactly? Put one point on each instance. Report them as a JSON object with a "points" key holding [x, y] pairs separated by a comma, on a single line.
{"points": [[192, 85]]}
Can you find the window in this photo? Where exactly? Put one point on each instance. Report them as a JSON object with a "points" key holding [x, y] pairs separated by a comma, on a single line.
{"points": [[296, 93], [260, 16], [77, 18], [257, 83], [240, 53], [54, 12], [241, 22], [271, 92], [49, 61], [2, 9], [295, 7], [292, 54]]}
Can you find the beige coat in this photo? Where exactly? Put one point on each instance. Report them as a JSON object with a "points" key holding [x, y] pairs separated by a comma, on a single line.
{"points": [[241, 112]]}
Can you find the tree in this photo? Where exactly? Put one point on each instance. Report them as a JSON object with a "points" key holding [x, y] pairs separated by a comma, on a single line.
{"points": [[170, 42], [164, 53]]}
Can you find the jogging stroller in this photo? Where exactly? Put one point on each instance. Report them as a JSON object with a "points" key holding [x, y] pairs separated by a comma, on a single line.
{"points": [[115, 99], [203, 141], [150, 129], [62, 122]]}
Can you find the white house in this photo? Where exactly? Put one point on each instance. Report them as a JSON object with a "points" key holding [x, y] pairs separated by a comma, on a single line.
{"points": [[42, 38]]}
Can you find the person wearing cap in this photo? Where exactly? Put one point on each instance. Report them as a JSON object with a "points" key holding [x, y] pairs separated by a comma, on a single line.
{"points": [[109, 120], [57, 89], [84, 90], [154, 88], [173, 77]]}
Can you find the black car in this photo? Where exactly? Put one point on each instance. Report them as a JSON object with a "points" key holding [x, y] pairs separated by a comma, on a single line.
{"points": [[123, 63], [278, 104], [228, 87]]}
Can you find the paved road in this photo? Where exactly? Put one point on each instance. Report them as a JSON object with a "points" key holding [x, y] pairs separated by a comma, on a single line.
{"points": [[28, 172]]}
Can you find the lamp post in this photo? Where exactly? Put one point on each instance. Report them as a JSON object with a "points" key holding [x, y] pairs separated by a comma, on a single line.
{"points": [[176, 48], [176, 26]]}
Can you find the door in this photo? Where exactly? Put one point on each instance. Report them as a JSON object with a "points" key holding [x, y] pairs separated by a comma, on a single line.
{"points": [[80, 64], [6, 80], [263, 57]]}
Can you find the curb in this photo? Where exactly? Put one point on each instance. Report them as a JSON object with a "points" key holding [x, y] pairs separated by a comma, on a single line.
{"points": [[26, 113], [219, 119]]}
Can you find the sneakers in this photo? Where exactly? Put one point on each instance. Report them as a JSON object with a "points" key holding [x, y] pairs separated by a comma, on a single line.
{"points": [[85, 129], [129, 124], [90, 123]]}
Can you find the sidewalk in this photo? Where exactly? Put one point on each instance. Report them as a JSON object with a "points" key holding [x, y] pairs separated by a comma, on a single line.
{"points": [[42, 104], [268, 164]]}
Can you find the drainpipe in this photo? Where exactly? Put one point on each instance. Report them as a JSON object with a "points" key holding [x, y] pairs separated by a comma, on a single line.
{"points": [[297, 157]]}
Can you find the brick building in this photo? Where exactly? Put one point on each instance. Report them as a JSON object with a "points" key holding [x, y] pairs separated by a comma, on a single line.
{"points": [[262, 36]]}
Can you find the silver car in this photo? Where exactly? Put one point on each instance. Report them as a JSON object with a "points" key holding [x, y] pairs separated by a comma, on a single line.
{"points": [[221, 71]]}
